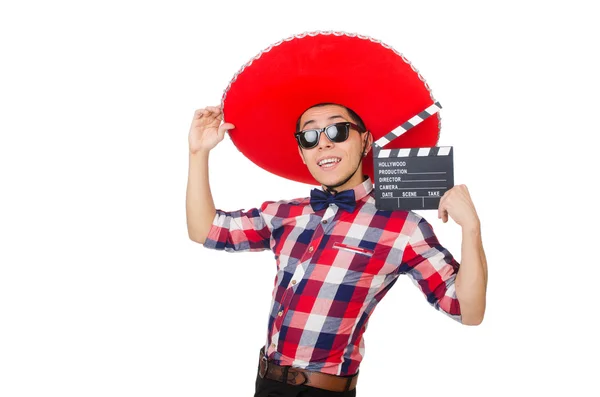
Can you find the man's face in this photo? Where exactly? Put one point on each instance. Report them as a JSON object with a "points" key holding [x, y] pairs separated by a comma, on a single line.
{"points": [[347, 154]]}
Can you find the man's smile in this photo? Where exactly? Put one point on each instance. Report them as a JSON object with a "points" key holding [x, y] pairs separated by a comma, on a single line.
{"points": [[328, 162]]}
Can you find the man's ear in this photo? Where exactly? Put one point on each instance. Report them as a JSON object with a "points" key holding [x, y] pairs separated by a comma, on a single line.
{"points": [[369, 142], [301, 154]]}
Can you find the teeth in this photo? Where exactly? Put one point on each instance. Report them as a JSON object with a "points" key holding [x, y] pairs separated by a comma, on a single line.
{"points": [[327, 161]]}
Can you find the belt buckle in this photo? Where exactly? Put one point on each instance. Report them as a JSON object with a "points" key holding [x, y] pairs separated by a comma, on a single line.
{"points": [[262, 373], [295, 372]]}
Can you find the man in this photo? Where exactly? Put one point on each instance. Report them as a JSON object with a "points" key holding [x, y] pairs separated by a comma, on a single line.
{"points": [[337, 255]]}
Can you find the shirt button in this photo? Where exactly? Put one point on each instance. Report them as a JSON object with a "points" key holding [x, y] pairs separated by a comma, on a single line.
{"points": [[293, 282], [311, 249], [324, 221], [280, 313], [273, 345]]}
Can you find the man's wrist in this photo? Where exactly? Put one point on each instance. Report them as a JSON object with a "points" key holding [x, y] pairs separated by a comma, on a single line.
{"points": [[200, 153], [473, 227]]}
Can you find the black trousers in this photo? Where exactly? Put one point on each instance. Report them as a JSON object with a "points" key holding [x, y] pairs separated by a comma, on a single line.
{"points": [[271, 388]]}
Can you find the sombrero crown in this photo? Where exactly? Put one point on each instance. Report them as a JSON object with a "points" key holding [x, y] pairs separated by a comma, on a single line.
{"points": [[268, 94]]}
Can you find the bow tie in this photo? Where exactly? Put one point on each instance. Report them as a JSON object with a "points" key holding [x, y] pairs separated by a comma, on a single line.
{"points": [[320, 200]]}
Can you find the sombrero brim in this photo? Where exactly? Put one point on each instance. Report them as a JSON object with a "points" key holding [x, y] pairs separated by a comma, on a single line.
{"points": [[267, 96]]}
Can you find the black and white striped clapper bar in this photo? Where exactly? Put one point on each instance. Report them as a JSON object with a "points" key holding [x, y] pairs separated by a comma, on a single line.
{"points": [[411, 178]]}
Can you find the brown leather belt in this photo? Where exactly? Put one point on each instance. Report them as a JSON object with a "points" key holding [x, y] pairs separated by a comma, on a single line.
{"points": [[298, 376]]}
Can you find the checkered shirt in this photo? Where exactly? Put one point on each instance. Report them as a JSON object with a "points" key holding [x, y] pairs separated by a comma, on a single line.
{"points": [[333, 268]]}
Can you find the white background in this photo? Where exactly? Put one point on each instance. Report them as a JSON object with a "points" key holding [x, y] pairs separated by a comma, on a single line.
{"points": [[103, 294]]}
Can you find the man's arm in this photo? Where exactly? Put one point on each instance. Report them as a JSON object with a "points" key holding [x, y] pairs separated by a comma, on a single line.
{"points": [[205, 133], [433, 269], [200, 207], [235, 231], [471, 280]]}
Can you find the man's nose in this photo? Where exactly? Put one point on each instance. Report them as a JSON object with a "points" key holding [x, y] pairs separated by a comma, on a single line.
{"points": [[324, 141]]}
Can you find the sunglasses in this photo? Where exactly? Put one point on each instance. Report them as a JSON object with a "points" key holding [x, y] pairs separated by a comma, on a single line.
{"points": [[337, 133]]}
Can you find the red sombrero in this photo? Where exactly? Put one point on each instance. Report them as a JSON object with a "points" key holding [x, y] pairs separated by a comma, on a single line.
{"points": [[269, 93]]}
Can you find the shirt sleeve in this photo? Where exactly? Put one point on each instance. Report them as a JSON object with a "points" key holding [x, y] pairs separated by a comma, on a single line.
{"points": [[241, 231], [432, 269]]}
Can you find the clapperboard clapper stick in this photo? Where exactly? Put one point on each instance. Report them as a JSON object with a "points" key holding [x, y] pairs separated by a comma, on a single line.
{"points": [[411, 178]]}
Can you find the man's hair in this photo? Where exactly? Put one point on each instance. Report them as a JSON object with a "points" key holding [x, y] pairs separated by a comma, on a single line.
{"points": [[355, 117]]}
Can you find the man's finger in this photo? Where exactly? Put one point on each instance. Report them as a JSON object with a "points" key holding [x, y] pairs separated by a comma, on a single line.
{"points": [[199, 113], [225, 127], [214, 109], [442, 205]]}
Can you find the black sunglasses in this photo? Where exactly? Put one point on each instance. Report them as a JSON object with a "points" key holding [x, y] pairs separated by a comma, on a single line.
{"points": [[337, 132]]}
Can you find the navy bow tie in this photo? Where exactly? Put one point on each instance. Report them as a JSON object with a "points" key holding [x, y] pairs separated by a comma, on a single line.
{"points": [[320, 200]]}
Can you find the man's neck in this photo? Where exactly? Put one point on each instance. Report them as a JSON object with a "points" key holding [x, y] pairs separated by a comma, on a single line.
{"points": [[351, 184]]}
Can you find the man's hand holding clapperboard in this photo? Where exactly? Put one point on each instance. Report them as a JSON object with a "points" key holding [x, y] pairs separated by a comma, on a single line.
{"points": [[412, 178]]}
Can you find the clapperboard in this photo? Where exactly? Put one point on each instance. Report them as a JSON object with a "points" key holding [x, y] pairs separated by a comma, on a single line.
{"points": [[411, 178]]}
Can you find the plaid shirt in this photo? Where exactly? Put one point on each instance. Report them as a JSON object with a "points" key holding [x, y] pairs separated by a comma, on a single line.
{"points": [[333, 268]]}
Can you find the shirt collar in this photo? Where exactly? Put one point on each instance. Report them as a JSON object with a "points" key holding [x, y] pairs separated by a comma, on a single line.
{"points": [[363, 189]]}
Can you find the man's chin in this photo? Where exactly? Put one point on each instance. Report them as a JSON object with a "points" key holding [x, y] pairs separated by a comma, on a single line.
{"points": [[328, 178]]}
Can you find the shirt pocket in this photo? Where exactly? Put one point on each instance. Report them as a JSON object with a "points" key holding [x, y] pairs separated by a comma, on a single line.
{"points": [[353, 249], [354, 260]]}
